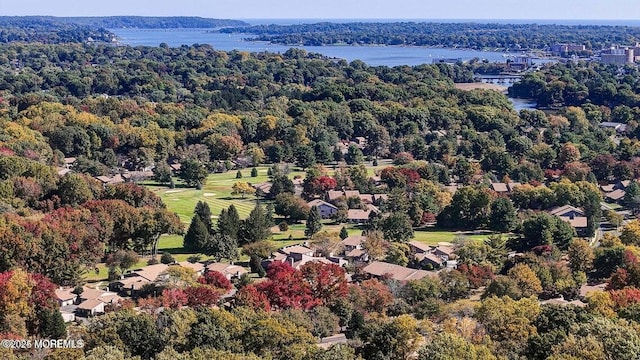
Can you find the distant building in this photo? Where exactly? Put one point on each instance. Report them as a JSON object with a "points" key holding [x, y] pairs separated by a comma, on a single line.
{"points": [[617, 56], [567, 49]]}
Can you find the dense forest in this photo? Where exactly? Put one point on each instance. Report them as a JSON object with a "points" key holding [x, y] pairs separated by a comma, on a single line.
{"points": [[124, 109], [508, 37]]}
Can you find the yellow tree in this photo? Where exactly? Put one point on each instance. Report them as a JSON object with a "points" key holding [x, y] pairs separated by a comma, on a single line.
{"points": [[580, 255], [242, 188], [526, 279], [630, 234]]}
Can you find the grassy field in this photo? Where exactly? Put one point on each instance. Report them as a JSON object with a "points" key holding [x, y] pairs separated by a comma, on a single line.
{"points": [[216, 192]]}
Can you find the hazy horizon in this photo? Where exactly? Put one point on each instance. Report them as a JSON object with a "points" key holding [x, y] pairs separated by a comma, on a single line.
{"points": [[543, 10]]}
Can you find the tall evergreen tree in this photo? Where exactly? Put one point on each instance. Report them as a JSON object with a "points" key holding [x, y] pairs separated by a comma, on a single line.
{"points": [[256, 227], [229, 222], [203, 211], [314, 222], [197, 236], [222, 246]]}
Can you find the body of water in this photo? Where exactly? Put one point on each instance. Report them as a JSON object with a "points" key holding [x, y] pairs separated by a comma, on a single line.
{"points": [[372, 55]]}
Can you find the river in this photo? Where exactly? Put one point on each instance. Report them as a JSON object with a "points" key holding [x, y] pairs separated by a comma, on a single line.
{"points": [[372, 55]]}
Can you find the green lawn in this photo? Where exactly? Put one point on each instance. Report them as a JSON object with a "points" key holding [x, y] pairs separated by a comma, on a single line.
{"points": [[434, 236], [216, 192]]}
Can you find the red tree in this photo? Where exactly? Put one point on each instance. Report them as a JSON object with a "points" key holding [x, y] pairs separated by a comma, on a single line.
{"points": [[215, 279], [625, 297], [174, 298], [203, 295], [286, 288], [250, 296], [371, 296], [477, 275], [327, 281]]}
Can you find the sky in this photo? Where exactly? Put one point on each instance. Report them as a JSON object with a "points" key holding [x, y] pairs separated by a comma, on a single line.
{"points": [[335, 9]]}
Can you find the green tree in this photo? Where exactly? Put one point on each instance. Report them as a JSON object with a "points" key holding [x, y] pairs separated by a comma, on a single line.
{"points": [[305, 156], [503, 217], [74, 190], [314, 222], [162, 173], [203, 211], [193, 173], [396, 227], [254, 172], [344, 233], [354, 155], [197, 237], [222, 246], [256, 227], [398, 254], [229, 222]]}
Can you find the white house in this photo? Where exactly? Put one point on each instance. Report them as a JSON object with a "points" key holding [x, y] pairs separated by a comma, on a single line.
{"points": [[327, 210]]}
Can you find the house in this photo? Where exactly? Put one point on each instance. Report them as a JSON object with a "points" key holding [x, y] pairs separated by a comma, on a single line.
{"points": [[615, 195], [135, 176], [499, 187], [327, 210], [359, 216], [417, 247], [333, 195], [152, 272], [353, 249], [622, 185], [607, 188], [93, 301], [65, 296], [572, 215], [382, 269], [68, 313], [298, 255], [586, 289], [69, 161], [62, 171], [503, 188], [429, 260], [91, 308], [263, 189], [435, 257], [197, 267], [175, 167], [230, 271], [353, 242], [110, 180], [444, 252], [618, 127], [133, 281]]}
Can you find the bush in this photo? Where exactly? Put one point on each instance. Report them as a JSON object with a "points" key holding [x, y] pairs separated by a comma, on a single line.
{"points": [[254, 172], [153, 261], [283, 226], [166, 258], [239, 175]]}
